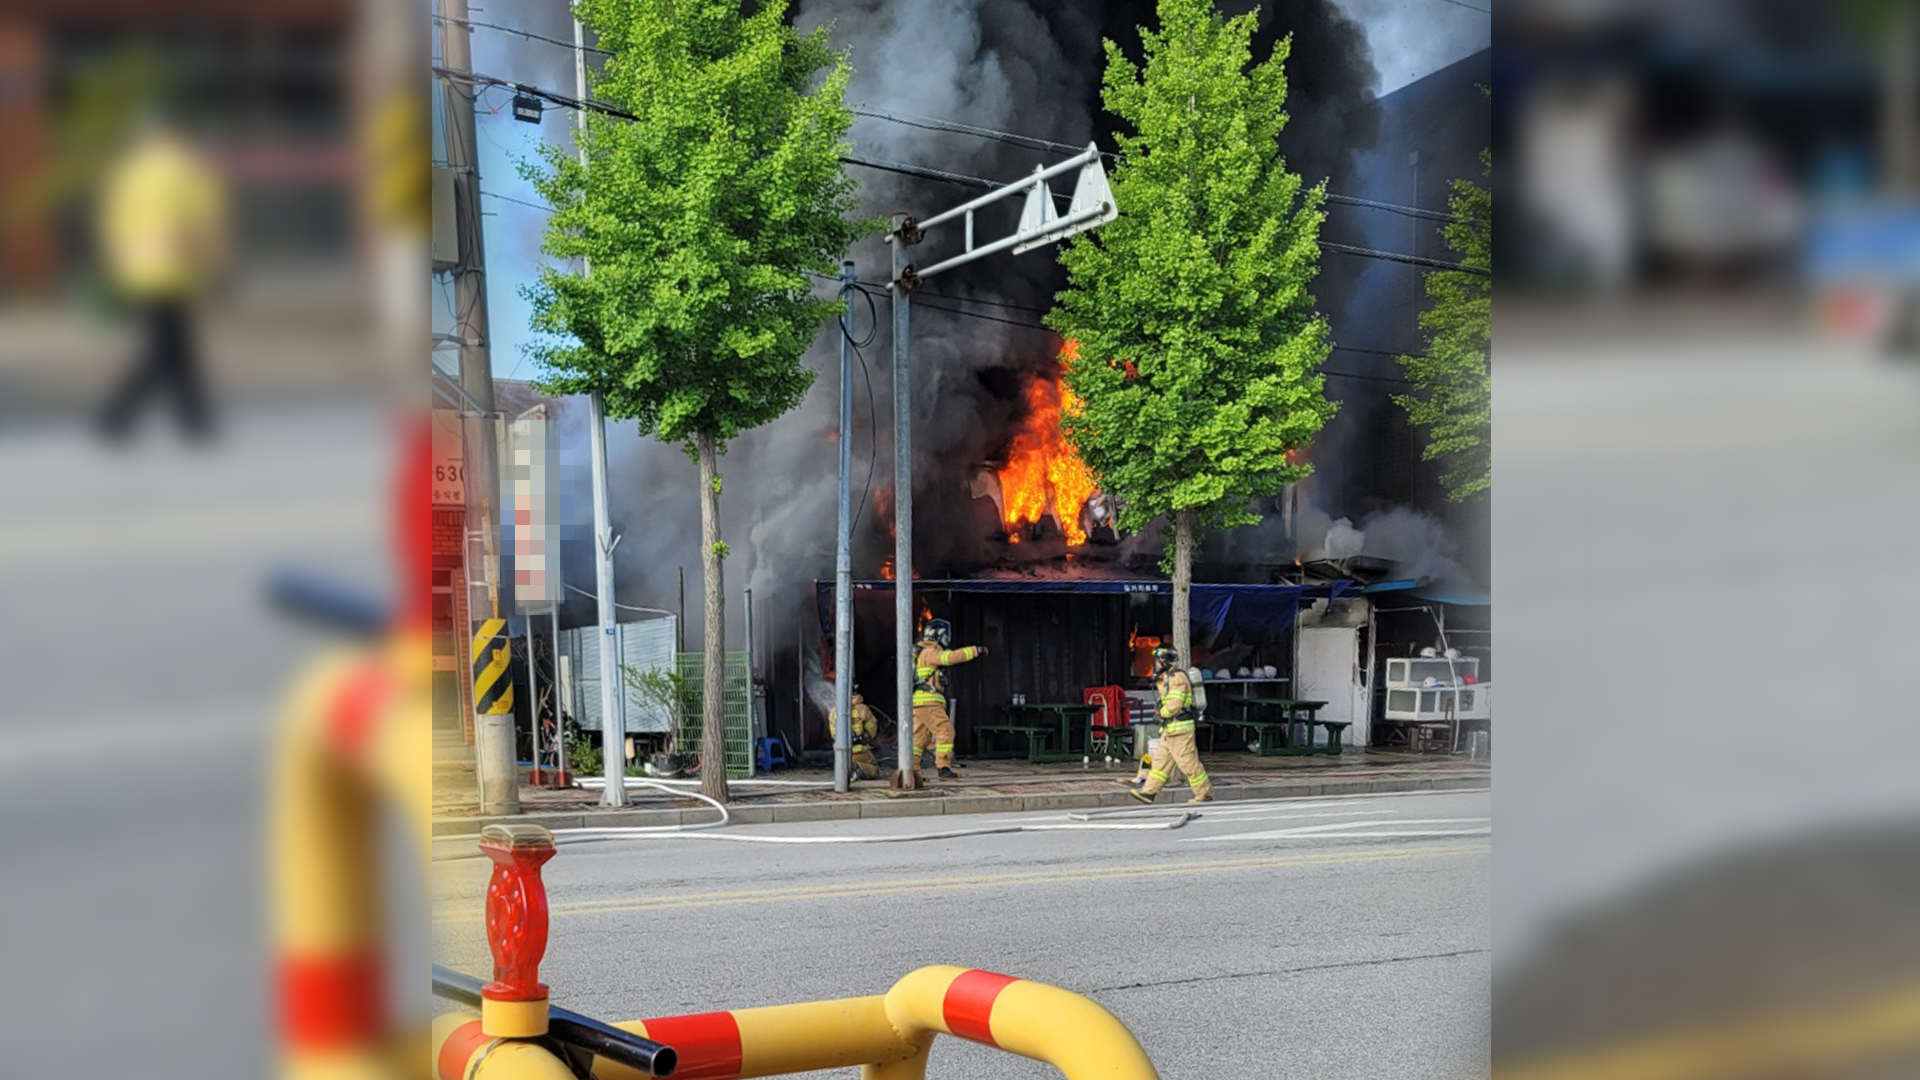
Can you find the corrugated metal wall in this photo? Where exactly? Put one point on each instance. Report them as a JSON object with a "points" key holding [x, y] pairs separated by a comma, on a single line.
{"points": [[646, 645], [1049, 648]]}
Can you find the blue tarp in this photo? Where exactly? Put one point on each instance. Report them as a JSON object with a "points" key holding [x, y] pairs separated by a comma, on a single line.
{"points": [[1875, 243], [1457, 593]]}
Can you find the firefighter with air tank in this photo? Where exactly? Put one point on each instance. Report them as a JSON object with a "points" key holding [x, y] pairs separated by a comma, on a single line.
{"points": [[931, 724], [1178, 746], [863, 729]]}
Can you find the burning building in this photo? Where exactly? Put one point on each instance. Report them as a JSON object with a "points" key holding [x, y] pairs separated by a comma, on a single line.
{"points": [[1014, 542]]}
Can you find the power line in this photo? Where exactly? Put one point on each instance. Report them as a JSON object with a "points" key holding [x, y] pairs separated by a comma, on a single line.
{"points": [[1415, 260], [1011, 138], [1374, 352], [988, 303], [910, 170], [477, 79], [918, 304], [1410, 211], [933, 124], [542, 207], [922, 172], [529, 35], [618, 604]]}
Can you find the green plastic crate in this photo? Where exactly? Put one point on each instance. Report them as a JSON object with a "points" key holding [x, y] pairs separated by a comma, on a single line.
{"points": [[735, 702]]}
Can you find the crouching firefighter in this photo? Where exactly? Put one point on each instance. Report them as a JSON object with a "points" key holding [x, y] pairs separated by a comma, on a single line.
{"points": [[863, 730], [931, 724], [1178, 747]]}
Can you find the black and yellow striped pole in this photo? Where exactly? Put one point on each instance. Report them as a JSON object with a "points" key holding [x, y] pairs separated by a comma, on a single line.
{"points": [[492, 685], [493, 706]]}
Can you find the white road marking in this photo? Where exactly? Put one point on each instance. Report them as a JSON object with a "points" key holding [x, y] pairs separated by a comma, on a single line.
{"points": [[1487, 831], [210, 527], [1326, 832], [157, 736], [1207, 816]]}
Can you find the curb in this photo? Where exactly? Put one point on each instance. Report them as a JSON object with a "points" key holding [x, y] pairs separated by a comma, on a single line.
{"points": [[923, 806]]}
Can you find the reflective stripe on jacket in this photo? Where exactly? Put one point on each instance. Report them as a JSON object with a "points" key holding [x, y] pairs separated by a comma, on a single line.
{"points": [[1176, 695], [926, 671], [863, 726]]}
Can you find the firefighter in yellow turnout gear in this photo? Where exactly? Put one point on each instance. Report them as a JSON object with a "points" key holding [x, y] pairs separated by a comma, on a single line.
{"points": [[863, 729], [1178, 747], [931, 724]]}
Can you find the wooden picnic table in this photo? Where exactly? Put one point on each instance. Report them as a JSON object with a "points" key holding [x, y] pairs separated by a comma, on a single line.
{"points": [[1048, 728], [1292, 733]]}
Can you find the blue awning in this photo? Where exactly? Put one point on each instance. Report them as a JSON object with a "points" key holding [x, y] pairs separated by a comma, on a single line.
{"points": [[1458, 593], [1149, 586], [1259, 609]]}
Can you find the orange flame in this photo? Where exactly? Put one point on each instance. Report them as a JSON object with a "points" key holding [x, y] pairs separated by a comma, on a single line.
{"points": [[1043, 475]]}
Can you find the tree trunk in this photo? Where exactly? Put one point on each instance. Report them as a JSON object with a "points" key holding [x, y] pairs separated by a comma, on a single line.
{"points": [[1183, 587], [713, 726]]}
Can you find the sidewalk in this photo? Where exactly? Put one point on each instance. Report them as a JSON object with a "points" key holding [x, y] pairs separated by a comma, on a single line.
{"points": [[987, 787]]}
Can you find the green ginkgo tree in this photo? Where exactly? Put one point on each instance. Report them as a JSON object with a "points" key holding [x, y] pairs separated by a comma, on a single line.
{"points": [[689, 232], [1453, 380], [1194, 342]]}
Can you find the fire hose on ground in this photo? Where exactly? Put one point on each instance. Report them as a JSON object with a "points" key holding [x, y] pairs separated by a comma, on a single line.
{"points": [[705, 830]]}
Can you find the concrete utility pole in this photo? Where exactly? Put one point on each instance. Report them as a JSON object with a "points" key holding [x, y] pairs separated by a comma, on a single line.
{"points": [[613, 715], [843, 555], [1040, 224], [904, 235], [494, 755]]}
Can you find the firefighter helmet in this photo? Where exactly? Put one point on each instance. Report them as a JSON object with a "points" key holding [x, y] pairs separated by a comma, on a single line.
{"points": [[938, 631]]}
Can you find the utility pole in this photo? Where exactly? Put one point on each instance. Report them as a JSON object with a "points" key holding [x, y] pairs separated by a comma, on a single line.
{"points": [[843, 554], [904, 235], [495, 760], [1040, 224], [613, 719]]}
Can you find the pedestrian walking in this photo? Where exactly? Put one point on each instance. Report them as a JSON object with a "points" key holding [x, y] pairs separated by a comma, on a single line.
{"points": [[164, 238]]}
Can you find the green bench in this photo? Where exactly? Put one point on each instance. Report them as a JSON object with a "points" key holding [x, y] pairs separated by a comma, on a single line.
{"points": [[984, 742], [1267, 738], [1276, 738], [1336, 736]]}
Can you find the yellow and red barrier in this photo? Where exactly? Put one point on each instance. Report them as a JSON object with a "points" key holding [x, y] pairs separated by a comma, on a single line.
{"points": [[356, 745], [890, 1035], [348, 753]]}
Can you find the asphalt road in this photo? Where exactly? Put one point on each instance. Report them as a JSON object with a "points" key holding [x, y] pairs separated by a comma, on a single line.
{"points": [[1706, 579], [143, 677], [1320, 939]]}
